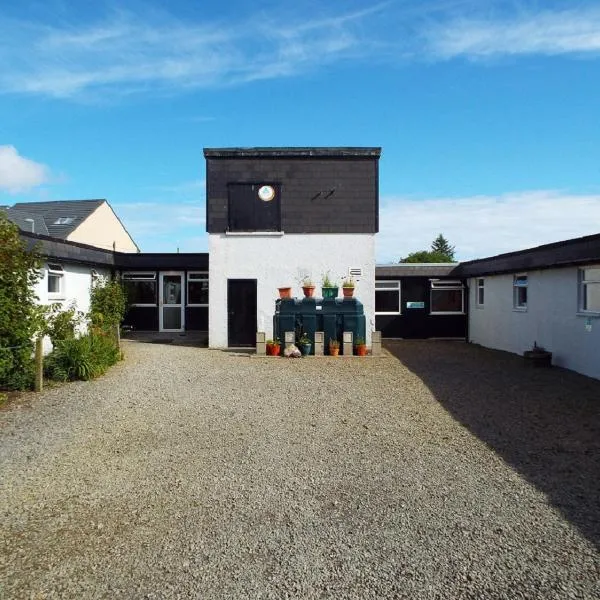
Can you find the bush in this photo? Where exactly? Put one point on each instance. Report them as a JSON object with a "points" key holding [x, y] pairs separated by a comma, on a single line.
{"points": [[62, 324], [20, 316], [81, 358], [107, 305]]}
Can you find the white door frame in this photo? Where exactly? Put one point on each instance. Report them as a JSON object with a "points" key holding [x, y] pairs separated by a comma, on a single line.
{"points": [[161, 303]]}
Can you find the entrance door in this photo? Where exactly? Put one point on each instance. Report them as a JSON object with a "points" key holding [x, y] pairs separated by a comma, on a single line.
{"points": [[171, 306], [241, 312]]}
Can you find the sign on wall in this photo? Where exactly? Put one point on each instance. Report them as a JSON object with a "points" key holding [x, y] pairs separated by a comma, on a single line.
{"points": [[415, 305]]}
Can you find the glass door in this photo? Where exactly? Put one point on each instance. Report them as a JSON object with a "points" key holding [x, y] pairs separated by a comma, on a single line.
{"points": [[171, 302]]}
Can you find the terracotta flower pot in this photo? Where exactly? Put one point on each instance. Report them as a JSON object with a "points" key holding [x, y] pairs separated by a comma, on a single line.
{"points": [[309, 291], [333, 351], [285, 292], [348, 292], [361, 349], [273, 349]]}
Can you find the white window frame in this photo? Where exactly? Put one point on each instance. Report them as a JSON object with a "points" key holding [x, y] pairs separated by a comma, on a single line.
{"points": [[479, 287], [446, 284], [57, 271], [518, 284], [203, 277], [142, 276], [582, 283], [389, 285]]}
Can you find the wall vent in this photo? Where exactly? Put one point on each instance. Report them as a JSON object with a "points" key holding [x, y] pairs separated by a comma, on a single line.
{"points": [[355, 272]]}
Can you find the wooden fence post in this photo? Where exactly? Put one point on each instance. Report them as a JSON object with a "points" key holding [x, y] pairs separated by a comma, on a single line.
{"points": [[118, 336], [39, 364]]}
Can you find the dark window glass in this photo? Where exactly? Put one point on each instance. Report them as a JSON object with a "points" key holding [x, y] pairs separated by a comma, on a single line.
{"points": [[387, 301], [140, 292], [446, 300], [198, 291]]}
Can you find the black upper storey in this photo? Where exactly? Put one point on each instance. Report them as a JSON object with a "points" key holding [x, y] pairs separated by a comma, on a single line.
{"points": [[320, 190]]}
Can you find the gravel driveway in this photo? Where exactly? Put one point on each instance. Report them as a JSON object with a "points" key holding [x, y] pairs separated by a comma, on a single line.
{"points": [[445, 471]]}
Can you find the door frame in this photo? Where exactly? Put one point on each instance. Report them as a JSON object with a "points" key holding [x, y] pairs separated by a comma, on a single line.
{"points": [[161, 302]]}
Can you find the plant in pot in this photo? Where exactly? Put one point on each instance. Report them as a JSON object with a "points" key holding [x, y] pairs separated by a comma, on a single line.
{"points": [[273, 347], [308, 287], [348, 286], [334, 347], [328, 288], [305, 344], [538, 356], [360, 347], [285, 292]]}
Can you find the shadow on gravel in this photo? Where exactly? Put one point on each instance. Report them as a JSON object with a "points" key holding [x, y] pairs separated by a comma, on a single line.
{"points": [[545, 423]]}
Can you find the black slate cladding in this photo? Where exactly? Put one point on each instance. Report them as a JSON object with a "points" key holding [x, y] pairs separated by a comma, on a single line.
{"points": [[323, 190]]}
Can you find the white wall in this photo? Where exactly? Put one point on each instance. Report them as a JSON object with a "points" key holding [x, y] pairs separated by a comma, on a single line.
{"points": [[77, 282], [551, 319], [277, 261]]}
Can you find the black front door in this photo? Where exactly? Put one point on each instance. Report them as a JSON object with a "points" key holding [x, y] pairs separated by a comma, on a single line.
{"points": [[241, 312]]}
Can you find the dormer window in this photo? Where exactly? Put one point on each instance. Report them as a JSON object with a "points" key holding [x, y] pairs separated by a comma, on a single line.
{"points": [[64, 221]]}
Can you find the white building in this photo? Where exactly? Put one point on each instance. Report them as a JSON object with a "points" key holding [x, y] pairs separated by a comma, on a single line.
{"points": [[549, 295]]}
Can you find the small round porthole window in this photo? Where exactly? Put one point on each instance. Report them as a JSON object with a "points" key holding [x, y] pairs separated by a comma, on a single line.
{"points": [[266, 193]]}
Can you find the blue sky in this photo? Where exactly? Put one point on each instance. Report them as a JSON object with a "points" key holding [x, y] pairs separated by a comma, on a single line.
{"points": [[487, 111]]}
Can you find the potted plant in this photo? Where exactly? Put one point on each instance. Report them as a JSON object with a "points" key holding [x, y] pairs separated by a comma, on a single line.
{"points": [[308, 287], [334, 347], [348, 286], [285, 292], [360, 347], [329, 290], [538, 356], [273, 347], [305, 344]]}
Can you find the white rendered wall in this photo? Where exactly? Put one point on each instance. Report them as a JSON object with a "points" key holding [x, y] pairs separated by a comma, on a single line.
{"points": [[278, 261], [77, 281], [551, 319]]}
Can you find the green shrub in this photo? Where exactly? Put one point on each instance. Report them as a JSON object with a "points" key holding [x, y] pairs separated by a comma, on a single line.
{"points": [[107, 305], [81, 358], [62, 324], [20, 316]]}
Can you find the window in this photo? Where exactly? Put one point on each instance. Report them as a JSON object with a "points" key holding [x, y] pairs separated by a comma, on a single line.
{"points": [[387, 297], [56, 282], [589, 289], [140, 288], [254, 207], [197, 289], [520, 292], [447, 297], [64, 221], [480, 292]]}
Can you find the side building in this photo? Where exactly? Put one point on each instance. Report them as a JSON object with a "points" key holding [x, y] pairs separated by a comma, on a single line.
{"points": [[548, 295], [276, 215]]}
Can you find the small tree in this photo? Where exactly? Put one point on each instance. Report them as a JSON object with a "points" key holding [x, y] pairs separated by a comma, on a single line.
{"points": [[442, 246], [20, 315], [107, 305]]}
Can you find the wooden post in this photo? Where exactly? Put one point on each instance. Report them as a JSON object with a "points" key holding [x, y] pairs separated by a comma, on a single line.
{"points": [[39, 364], [118, 336]]}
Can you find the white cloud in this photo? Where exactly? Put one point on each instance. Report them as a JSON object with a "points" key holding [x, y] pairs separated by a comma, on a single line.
{"points": [[20, 174], [482, 226], [546, 33], [129, 53]]}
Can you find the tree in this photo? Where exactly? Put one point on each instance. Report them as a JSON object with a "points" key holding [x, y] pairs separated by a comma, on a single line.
{"points": [[441, 252], [441, 245], [20, 316]]}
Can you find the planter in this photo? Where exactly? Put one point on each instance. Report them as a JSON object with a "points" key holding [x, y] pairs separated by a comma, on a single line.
{"points": [[285, 292], [309, 291], [535, 358], [305, 349], [273, 349], [333, 351], [361, 349], [329, 292], [348, 292]]}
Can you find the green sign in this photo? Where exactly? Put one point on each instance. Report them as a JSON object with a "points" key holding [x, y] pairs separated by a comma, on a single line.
{"points": [[415, 305]]}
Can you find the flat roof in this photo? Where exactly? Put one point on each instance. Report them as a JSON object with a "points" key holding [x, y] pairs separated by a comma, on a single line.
{"points": [[294, 152]]}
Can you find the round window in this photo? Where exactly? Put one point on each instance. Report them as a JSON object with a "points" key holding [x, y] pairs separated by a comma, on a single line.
{"points": [[266, 193]]}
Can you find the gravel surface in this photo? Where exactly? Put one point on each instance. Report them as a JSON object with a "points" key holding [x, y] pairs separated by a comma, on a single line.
{"points": [[441, 471]]}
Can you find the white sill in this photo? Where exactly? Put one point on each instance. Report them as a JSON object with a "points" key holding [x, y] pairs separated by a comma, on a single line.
{"points": [[387, 313], [254, 233], [447, 313], [589, 315], [54, 296], [519, 309]]}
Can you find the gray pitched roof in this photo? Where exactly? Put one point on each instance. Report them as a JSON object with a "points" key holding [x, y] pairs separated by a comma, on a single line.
{"points": [[20, 219], [51, 212]]}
